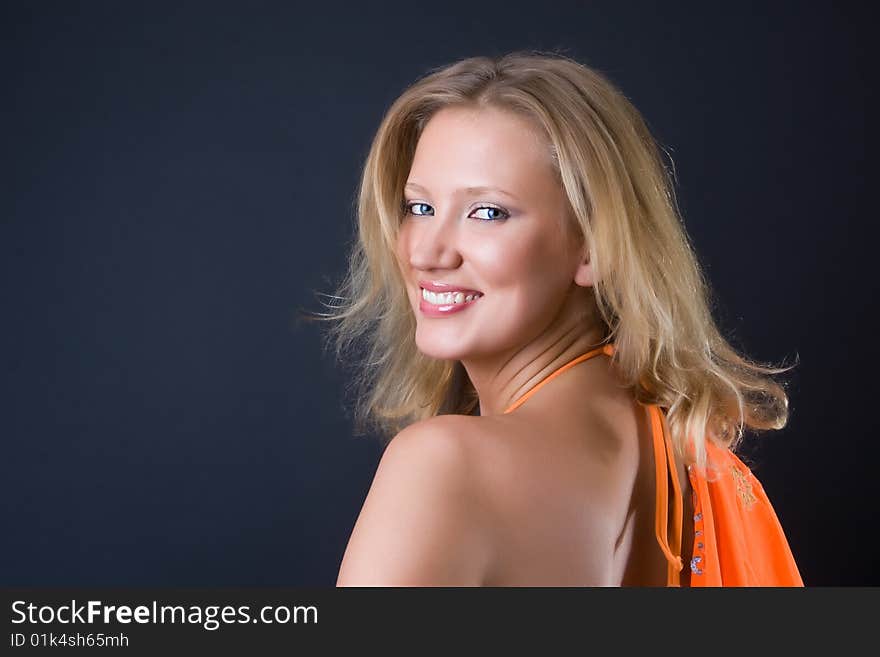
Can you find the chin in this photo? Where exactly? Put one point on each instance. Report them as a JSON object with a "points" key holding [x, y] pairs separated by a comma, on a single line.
{"points": [[441, 347]]}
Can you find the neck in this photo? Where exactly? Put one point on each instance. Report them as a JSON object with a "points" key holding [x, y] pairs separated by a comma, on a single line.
{"points": [[502, 378]]}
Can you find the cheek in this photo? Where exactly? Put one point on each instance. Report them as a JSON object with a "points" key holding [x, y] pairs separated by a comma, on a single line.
{"points": [[401, 253], [402, 248], [531, 264], [401, 245]]}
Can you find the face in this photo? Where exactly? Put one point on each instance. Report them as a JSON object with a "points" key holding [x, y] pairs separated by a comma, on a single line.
{"points": [[484, 235]]}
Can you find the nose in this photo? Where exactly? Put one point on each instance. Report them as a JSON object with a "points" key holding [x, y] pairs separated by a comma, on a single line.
{"points": [[433, 243]]}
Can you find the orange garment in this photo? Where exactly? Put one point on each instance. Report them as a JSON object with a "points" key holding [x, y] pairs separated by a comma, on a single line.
{"points": [[738, 540]]}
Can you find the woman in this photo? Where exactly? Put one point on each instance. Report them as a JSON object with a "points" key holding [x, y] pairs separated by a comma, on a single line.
{"points": [[534, 331]]}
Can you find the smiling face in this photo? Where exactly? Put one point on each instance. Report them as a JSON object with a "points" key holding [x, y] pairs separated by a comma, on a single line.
{"points": [[485, 232]]}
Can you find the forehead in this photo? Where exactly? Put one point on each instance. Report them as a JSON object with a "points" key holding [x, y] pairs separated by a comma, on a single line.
{"points": [[464, 147]]}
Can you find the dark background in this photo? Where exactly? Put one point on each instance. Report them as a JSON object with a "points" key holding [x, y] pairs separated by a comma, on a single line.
{"points": [[177, 179]]}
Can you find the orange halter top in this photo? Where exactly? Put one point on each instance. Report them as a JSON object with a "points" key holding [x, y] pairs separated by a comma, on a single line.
{"points": [[738, 540]]}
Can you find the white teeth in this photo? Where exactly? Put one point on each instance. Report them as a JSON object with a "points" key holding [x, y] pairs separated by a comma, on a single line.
{"points": [[448, 298]]}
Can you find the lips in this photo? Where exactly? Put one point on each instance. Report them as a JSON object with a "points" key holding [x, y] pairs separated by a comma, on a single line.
{"points": [[436, 286], [446, 301]]}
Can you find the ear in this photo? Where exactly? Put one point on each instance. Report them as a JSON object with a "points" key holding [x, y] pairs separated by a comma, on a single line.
{"points": [[584, 275]]}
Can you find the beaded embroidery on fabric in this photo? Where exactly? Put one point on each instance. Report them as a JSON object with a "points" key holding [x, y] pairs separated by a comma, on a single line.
{"points": [[743, 487], [698, 556]]}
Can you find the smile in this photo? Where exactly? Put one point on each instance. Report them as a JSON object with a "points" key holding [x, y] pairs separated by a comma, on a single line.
{"points": [[448, 298], [440, 304]]}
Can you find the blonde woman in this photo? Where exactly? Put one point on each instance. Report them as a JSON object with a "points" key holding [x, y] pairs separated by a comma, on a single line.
{"points": [[531, 330]]}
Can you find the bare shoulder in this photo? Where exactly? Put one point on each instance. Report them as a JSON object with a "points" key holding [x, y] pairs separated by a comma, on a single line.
{"points": [[421, 522], [558, 489]]}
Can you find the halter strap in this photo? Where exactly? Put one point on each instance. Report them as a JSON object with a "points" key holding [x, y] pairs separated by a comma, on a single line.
{"points": [[664, 467], [606, 349]]}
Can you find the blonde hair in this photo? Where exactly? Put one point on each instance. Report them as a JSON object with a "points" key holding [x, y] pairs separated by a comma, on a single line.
{"points": [[651, 294]]}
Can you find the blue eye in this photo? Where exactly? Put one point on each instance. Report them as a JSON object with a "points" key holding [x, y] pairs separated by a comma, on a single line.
{"points": [[500, 214], [496, 214], [408, 208]]}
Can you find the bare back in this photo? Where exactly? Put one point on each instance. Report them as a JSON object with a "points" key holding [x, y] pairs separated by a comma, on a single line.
{"points": [[574, 493]]}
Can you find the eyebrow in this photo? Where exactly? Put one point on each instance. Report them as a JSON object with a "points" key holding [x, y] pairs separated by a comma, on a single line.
{"points": [[467, 190]]}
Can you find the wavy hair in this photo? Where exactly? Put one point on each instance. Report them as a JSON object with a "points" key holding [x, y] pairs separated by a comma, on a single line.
{"points": [[651, 294]]}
